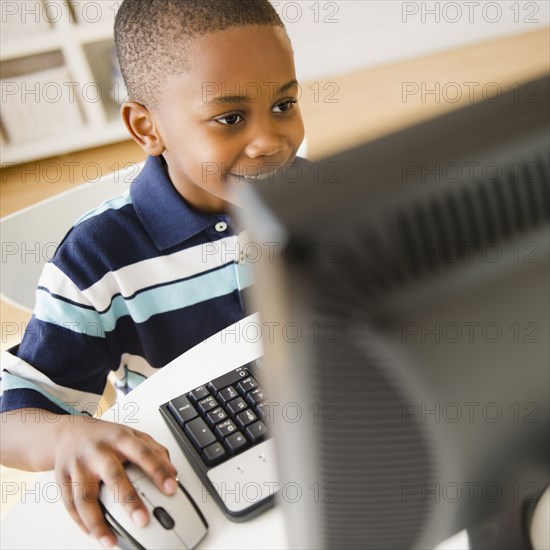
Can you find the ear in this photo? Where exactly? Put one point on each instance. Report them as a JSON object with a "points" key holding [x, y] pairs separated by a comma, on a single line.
{"points": [[141, 126]]}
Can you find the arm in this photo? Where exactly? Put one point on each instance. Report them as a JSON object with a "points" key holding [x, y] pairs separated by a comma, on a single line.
{"points": [[61, 367], [84, 452]]}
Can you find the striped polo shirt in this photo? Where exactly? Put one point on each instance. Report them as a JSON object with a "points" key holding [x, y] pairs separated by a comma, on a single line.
{"points": [[134, 284]]}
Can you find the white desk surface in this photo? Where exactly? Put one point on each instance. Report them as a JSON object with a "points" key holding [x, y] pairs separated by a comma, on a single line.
{"points": [[40, 520]]}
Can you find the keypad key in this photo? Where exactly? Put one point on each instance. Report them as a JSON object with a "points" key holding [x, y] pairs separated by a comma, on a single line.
{"points": [[265, 411], [256, 432], [207, 404], [199, 433], [225, 428], [235, 442], [227, 394], [245, 418], [215, 416], [213, 453], [229, 379], [256, 396], [236, 406], [246, 385], [182, 409], [198, 393]]}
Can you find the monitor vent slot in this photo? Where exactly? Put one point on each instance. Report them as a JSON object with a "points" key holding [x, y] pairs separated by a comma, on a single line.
{"points": [[442, 231]]}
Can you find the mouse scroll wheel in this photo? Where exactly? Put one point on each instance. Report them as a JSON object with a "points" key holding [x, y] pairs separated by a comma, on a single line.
{"points": [[165, 519]]}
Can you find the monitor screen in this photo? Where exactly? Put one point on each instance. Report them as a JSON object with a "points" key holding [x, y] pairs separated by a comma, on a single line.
{"points": [[409, 373]]}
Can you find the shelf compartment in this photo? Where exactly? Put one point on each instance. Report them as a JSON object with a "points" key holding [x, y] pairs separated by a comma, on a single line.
{"points": [[39, 98], [28, 27]]}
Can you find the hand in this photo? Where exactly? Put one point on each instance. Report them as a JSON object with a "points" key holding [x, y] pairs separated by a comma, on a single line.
{"points": [[91, 451]]}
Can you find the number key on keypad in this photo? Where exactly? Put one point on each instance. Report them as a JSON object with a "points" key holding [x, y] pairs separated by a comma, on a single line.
{"points": [[246, 417], [225, 428], [215, 416], [207, 404], [236, 406], [235, 442], [227, 394], [247, 385]]}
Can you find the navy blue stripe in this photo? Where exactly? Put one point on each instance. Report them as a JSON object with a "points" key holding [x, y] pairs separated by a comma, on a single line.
{"points": [[12, 400], [64, 298], [164, 337], [71, 359]]}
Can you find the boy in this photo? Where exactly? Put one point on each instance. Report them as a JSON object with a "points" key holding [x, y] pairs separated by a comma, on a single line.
{"points": [[212, 90]]}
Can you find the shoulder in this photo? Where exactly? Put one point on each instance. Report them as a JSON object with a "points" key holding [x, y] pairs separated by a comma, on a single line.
{"points": [[103, 240], [106, 224]]}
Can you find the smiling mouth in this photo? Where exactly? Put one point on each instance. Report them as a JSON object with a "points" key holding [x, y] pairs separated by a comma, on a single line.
{"points": [[258, 177]]}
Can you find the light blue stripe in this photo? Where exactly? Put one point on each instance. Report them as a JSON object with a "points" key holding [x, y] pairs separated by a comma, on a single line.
{"points": [[110, 204], [134, 379], [171, 297], [245, 276], [141, 307], [50, 309], [12, 382]]}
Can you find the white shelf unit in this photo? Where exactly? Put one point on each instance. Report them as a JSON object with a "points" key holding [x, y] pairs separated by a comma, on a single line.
{"points": [[67, 50]]}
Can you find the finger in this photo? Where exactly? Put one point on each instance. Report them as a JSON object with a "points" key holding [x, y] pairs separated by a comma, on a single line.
{"points": [[111, 470], [66, 486], [152, 458], [160, 449], [86, 488]]}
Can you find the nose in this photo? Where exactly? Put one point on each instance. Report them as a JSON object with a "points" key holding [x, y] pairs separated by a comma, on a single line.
{"points": [[266, 141]]}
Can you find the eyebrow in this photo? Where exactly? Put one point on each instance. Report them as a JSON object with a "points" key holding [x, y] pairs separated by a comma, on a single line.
{"points": [[221, 100]]}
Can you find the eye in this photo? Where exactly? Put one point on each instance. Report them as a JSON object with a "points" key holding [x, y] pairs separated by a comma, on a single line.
{"points": [[285, 105], [229, 120]]}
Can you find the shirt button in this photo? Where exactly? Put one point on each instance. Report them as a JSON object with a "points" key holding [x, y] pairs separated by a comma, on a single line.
{"points": [[221, 227]]}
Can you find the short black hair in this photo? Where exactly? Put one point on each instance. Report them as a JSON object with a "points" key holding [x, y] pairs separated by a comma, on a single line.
{"points": [[151, 36]]}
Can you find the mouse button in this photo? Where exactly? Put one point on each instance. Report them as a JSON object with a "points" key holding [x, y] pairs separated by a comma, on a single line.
{"points": [[108, 496], [134, 472], [164, 518], [189, 525], [151, 537]]}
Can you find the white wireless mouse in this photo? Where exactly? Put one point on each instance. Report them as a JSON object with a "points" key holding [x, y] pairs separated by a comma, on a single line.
{"points": [[175, 521]]}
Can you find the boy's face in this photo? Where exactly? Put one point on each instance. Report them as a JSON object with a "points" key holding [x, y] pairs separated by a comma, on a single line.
{"points": [[233, 115]]}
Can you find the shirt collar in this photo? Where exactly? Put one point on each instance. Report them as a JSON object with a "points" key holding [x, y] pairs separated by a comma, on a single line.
{"points": [[168, 219]]}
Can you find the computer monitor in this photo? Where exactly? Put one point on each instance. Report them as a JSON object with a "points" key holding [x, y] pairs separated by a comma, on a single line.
{"points": [[404, 291]]}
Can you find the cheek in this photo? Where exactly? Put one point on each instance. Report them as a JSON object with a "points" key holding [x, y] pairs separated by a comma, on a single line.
{"points": [[298, 131], [210, 165], [220, 151]]}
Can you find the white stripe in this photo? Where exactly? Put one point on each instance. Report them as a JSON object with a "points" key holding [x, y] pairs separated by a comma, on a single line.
{"points": [[80, 400], [147, 273], [156, 271], [57, 282], [135, 363]]}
